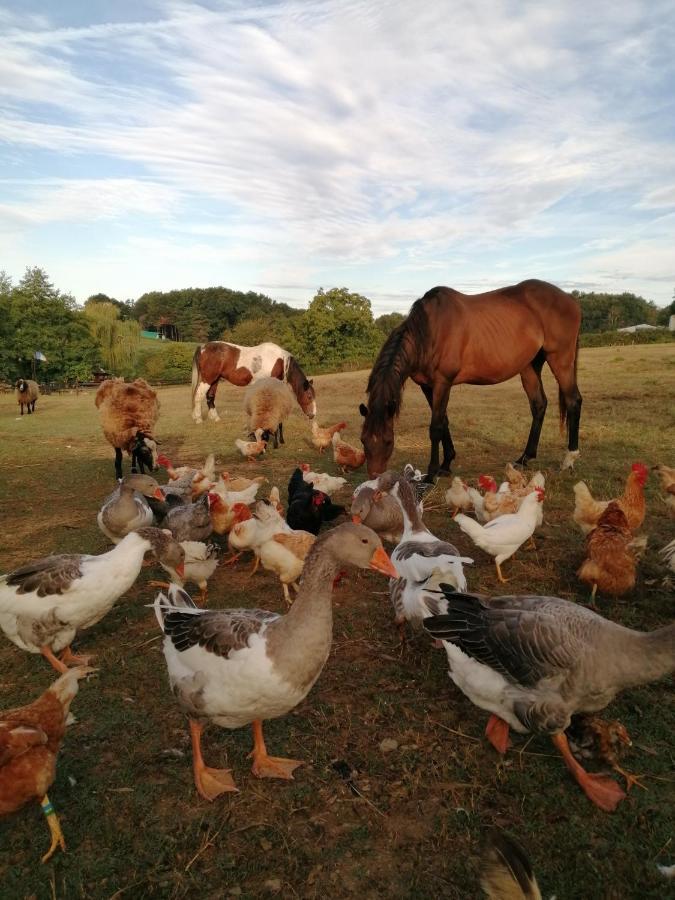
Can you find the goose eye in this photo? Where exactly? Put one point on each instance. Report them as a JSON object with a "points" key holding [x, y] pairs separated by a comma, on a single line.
{"points": [[364, 540]]}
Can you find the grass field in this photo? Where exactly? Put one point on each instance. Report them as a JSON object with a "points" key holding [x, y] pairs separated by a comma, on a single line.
{"points": [[406, 824]]}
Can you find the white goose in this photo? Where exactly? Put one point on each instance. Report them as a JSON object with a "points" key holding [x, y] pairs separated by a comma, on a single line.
{"points": [[420, 559], [235, 667], [44, 603]]}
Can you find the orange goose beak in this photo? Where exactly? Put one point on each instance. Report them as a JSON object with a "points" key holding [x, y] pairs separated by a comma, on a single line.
{"points": [[356, 520], [158, 495], [180, 570], [381, 563]]}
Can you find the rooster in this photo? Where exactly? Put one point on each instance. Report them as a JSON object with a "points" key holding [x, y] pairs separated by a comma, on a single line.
{"points": [[30, 737], [587, 510], [610, 562], [503, 536], [322, 437], [347, 457], [667, 482]]}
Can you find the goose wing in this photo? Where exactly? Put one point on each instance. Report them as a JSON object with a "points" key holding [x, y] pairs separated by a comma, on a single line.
{"points": [[47, 576]]}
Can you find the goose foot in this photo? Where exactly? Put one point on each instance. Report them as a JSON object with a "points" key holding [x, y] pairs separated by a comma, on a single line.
{"points": [[210, 783], [600, 789], [497, 732], [76, 659], [265, 766], [56, 663]]}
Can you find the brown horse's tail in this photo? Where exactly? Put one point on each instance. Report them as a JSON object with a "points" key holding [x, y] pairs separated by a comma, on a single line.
{"points": [[195, 370], [562, 406]]}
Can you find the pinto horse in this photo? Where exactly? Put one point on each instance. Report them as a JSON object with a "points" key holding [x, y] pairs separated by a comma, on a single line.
{"points": [[240, 366], [452, 338]]}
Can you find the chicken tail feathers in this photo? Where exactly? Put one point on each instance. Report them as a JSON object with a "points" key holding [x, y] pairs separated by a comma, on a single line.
{"points": [[506, 871]]}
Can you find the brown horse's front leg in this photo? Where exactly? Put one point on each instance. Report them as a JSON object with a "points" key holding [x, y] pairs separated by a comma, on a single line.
{"points": [[439, 429]]}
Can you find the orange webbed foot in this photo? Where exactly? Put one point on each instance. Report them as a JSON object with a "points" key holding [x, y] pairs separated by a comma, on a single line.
{"points": [[497, 732]]}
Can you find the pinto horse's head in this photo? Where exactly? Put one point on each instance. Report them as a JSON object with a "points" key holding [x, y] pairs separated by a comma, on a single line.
{"points": [[302, 387], [377, 435]]}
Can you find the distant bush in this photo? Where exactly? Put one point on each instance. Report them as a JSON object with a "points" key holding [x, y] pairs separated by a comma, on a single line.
{"points": [[624, 339], [166, 361]]}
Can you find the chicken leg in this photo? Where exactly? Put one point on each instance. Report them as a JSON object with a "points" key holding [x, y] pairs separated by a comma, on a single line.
{"points": [[210, 783], [600, 789], [58, 839], [265, 766]]}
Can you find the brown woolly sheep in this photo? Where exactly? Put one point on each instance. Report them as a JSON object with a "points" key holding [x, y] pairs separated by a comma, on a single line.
{"points": [[129, 413], [267, 402], [26, 394]]}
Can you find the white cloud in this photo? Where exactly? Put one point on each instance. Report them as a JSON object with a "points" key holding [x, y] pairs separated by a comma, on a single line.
{"points": [[321, 133]]}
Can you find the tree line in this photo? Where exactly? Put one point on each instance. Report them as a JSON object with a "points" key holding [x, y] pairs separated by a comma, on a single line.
{"points": [[336, 331]]}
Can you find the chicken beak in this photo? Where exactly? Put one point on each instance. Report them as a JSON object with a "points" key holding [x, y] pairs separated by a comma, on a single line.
{"points": [[356, 520], [381, 563], [158, 495], [180, 570]]}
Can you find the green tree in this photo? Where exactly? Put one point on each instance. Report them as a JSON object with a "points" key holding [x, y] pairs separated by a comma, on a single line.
{"points": [[125, 310], [389, 321], [118, 341], [664, 314], [7, 354], [48, 321], [339, 327]]}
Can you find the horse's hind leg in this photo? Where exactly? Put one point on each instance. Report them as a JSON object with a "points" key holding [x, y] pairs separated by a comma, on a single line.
{"points": [[211, 402], [569, 398], [533, 387], [200, 393]]}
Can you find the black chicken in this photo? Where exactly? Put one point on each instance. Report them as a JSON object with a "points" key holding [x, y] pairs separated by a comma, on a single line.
{"points": [[308, 508]]}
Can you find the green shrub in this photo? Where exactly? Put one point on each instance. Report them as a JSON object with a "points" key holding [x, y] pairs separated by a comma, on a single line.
{"points": [[624, 339]]}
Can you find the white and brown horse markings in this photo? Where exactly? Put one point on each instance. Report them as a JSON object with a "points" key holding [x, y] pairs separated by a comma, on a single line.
{"points": [[240, 366]]}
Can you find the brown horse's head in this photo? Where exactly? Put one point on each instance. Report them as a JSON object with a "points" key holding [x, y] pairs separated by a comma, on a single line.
{"points": [[302, 387], [377, 435]]}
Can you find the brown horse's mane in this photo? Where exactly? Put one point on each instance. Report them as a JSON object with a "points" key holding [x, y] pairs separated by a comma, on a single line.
{"points": [[404, 349], [295, 376]]}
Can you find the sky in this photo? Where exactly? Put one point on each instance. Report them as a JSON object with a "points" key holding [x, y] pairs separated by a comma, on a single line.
{"points": [[383, 146]]}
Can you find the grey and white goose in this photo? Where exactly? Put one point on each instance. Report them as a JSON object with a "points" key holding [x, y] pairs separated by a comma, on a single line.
{"points": [[421, 560], [533, 662]]}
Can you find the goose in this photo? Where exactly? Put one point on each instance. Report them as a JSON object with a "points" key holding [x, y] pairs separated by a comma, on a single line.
{"points": [[127, 508], [236, 667], [46, 602], [378, 511], [420, 557], [533, 662]]}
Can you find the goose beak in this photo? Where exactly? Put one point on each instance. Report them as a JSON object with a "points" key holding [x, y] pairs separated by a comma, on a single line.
{"points": [[356, 520], [158, 495], [381, 563], [180, 570]]}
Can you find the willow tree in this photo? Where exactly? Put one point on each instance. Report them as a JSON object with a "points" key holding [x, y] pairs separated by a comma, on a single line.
{"points": [[118, 340]]}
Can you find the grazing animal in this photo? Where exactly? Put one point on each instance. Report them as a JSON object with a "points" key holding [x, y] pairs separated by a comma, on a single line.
{"points": [[129, 413], [450, 338], [267, 402], [242, 365], [27, 393]]}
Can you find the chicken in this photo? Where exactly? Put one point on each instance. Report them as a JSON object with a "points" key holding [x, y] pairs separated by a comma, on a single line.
{"points": [[587, 511], [457, 496], [329, 484], [593, 736], [489, 485], [191, 522], [322, 437], [224, 516], [160, 508], [239, 483], [667, 482], [247, 495], [503, 536], [308, 509], [515, 477], [347, 457], [29, 742], [275, 500], [668, 554], [610, 562], [251, 449], [506, 872], [252, 533], [508, 499], [200, 480], [284, 553]]}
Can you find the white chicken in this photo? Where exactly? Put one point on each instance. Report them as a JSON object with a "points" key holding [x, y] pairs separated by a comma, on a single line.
{"points": [[457, 496], [327, 484], [246, 496], [253, 533], [503, 536], [251, 449], [284, 553]]}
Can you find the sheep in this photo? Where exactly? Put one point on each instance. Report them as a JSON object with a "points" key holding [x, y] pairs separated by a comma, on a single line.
{"points": [[267, 402], [129, 413], [26, 393]]}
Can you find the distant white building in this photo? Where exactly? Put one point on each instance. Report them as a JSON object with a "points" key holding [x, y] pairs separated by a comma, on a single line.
{"points": [[631, 329], [671, 324]]}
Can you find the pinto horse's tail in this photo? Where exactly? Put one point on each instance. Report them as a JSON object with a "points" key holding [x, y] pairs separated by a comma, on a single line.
{"points": [[195, 370], [562, 406]]}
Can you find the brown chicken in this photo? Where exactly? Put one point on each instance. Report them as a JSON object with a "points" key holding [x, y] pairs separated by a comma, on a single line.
{"points": [[239, 482], [322, 437], [587, 511], [604, 739], [223, 516], [29, 741], [347, 457], [667, 481], [610, 562]]}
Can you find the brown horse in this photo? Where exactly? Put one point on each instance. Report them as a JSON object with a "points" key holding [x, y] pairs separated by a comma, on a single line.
{"points": [[240, 366], [451, 338]]}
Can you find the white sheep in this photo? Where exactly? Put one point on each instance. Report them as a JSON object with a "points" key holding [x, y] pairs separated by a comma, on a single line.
{"points": [[129, 413], [267, 402], [27, 393]]}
